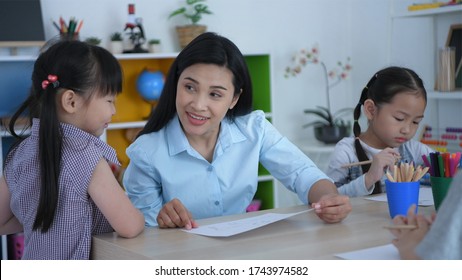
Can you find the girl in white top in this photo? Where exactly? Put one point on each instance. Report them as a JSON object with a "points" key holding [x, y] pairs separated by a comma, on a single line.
{"points": [[394, 102]]}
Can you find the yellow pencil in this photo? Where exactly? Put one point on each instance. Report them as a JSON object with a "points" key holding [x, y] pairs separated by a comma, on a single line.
{"points": [[390, 178]]}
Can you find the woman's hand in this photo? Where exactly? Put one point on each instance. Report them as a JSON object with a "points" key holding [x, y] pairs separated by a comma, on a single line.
{"points": [[406, 240], [332, 208], [380, 162], [173, 214]]}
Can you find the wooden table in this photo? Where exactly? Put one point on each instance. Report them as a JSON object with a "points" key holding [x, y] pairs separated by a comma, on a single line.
{"points": [[303, 236]]}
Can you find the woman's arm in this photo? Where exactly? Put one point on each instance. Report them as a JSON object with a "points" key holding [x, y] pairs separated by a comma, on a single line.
{"points": [[328, 204], [142, 188], [110, 198], [8, 222]]}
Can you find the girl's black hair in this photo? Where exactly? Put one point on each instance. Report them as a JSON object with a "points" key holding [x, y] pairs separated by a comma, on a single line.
{"points": [[87, 70], [381, 89], [207, 48]]}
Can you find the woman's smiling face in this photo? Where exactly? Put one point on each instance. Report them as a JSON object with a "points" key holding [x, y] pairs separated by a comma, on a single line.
{"points": [[205, 92]]}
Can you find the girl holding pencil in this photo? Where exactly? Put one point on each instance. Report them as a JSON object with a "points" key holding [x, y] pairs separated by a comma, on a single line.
{"points": [[393, 102]]}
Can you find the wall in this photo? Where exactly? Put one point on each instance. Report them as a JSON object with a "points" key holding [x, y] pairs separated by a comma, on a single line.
{"points": [[342, 28]]}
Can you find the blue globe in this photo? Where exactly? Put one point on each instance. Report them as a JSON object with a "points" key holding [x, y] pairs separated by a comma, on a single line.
{"points": [[149, 84]]}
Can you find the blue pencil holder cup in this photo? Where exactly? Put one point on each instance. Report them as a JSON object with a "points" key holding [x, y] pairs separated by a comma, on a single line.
{"points": [[400, 196]]}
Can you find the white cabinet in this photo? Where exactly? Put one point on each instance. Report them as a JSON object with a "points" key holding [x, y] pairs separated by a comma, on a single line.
{"points": [[415, 37]]}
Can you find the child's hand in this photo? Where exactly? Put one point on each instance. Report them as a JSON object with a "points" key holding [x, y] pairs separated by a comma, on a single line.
{"points": [[174, 214], [407, 239], [380, 162]]}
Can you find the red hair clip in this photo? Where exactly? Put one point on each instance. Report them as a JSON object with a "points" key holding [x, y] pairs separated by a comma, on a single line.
{"points": [[53, 79]]}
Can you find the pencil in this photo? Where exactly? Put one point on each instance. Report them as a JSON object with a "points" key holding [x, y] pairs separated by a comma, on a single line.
{"points": [[400, 227], [390, 178], [79, 27], [56, 25], [356, 163], [361, 162]]}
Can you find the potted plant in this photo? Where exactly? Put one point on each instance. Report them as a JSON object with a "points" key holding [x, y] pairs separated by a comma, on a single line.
{"points": [[116, 43], [93, 40], [330, 127], [154, 45], [193, 12]]}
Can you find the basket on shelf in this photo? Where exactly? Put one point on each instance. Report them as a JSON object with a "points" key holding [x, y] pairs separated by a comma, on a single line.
{"points": [[187, 33]]}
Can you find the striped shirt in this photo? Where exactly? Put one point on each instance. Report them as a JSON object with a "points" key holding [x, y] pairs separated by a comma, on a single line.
{"points": [[77, 218]]}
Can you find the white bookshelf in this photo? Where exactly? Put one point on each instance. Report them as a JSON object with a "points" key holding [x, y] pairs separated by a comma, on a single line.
{"points": [[432, 27]]}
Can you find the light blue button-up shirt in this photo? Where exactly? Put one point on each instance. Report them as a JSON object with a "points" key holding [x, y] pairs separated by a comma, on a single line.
{"points": [[164, 166]]}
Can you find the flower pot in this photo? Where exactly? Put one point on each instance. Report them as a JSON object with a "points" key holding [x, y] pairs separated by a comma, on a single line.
{"points": [[154, 48], [331, 134], [116, 47], [187, 33]]}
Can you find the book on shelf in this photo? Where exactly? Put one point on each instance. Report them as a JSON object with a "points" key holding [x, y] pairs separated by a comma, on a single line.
{"points": [[424, 6]]}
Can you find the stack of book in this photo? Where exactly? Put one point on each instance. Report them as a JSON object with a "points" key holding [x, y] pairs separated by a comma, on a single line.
{"points": [[424, 6]]}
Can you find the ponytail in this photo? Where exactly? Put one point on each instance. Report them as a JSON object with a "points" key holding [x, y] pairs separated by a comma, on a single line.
{"points": [[357, 131], [50, 161]]}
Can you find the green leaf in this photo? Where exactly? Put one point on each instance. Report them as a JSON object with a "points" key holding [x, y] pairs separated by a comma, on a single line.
{"points": [[177, 12], [199, 8], [193, 11], [207, 11], [195, 18]]}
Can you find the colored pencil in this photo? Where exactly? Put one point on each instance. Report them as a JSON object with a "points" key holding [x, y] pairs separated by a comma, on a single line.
{"points": [[79, 27], [356, 163], [400, 227]]}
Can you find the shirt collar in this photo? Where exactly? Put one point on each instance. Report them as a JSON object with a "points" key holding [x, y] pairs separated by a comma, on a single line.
{"points": [[177, 141]]}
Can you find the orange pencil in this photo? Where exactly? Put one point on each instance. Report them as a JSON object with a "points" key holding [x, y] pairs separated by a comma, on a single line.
{"points": [[446, 164], [79, 27]]}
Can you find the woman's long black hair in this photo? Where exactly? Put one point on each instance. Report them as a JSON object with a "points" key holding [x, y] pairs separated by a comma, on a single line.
{"points": [[207, 48], [87, 70]]}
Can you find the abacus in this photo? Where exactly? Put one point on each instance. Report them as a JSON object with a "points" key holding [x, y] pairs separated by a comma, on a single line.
{"points": [[447, 140]]}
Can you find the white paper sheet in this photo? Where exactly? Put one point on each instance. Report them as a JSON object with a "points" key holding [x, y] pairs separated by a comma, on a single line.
{"points": [[425, 197], [385, 252], [239, 226]]}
